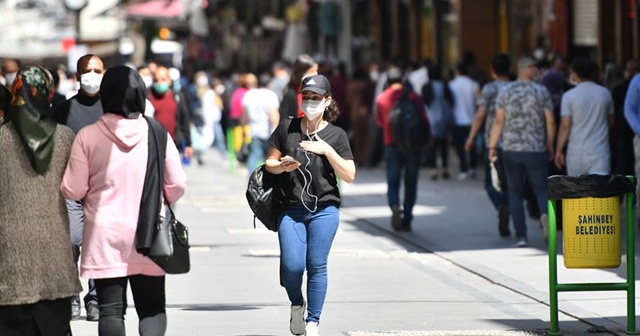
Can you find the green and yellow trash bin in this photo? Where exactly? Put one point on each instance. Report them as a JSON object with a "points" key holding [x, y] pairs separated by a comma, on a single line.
{"points": [[591, 216], [591, 232]]}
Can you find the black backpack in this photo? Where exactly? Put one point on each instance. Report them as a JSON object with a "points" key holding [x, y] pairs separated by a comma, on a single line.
{"points": [[262, 198], [410, 129]]}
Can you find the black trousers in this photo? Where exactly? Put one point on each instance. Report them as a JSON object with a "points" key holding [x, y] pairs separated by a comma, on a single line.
{"points": [[43, 318], [149, 297]]}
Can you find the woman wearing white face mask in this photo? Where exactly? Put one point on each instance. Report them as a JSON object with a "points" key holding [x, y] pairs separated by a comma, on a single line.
{"points": [[309, 154]]}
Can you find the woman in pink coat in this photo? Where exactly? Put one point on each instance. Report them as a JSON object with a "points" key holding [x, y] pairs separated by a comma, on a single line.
{"points": [[106, 171]]}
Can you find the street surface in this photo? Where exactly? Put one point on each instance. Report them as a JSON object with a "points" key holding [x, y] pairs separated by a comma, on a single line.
{"points": [[453, 275]]}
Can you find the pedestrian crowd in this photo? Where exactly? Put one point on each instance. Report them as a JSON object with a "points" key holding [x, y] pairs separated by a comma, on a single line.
{"points": [[76, 146]]}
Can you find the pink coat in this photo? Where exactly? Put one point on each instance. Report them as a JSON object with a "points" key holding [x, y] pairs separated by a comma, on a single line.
{"points": [[106, 170]]}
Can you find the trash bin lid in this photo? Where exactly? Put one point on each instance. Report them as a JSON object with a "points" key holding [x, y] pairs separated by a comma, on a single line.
{"points": [[562, 186]]}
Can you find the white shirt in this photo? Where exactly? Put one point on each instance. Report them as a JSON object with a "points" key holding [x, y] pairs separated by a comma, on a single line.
{"points": [[418, 78], [465, 92], [258, 103]]}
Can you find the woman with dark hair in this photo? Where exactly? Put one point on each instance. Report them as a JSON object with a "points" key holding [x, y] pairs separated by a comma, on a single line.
{"points": [[107, 171], [308, 155], [290, 105], [37, 274], [439, 101]]}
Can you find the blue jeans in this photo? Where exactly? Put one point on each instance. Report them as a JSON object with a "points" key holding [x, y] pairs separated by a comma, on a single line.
{"points": [[518, 166], [498, 198], [218, 139], [305, 241], [396, 164], [460, 135], [257, 153]]}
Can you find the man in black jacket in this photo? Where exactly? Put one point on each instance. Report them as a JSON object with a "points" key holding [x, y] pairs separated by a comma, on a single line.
{"points": [[83, 109]]}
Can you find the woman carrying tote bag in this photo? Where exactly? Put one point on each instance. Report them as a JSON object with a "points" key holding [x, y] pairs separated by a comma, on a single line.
{"points": [[107, 171]]}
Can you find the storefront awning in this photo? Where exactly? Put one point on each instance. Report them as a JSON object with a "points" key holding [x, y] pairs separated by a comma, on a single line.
{"points": [[156, 9]]}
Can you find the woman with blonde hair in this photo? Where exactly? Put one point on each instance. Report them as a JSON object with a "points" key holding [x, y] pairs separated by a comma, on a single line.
{"points": [[203, 133]]}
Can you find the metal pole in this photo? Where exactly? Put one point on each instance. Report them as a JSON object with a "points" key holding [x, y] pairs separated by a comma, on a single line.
{"points": [[553, 268], [231, 152], [631, 263], [78, 36]]}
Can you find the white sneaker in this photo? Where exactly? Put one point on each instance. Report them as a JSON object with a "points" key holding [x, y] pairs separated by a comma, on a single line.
{"points": [[296, 323], [312, 329], [521, 242], [472, 173], [463, 176]]}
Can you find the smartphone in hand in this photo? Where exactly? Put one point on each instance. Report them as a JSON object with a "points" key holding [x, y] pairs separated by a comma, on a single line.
{"points": [[289, 159]]}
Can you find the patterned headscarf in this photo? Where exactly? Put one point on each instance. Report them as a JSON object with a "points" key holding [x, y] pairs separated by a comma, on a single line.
{"points": [[29, 113]]}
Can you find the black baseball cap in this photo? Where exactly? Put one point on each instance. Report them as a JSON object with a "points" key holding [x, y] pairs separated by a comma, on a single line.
{"points": [[318, 84]]}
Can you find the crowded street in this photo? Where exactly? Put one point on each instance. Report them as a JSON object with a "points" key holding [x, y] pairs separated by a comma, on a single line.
{"points": [[319, 167], [453, 275]]}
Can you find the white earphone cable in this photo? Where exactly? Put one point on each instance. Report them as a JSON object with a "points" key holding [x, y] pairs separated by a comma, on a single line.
{"points": [[307, 185]]}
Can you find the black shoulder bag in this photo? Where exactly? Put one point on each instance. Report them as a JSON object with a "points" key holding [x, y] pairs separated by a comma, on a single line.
{"points": [[169, 243], [263, 194]]}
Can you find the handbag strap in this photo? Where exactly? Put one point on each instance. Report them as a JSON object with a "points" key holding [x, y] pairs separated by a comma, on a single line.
{"points": [[161, 149]]}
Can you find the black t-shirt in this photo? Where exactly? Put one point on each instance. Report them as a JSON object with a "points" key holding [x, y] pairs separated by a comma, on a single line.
{"points": [[316, 169]]}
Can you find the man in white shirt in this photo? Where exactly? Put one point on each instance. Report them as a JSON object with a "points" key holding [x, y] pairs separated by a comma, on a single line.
{"points": [[260, 111], [465, 92], [587, 112]]}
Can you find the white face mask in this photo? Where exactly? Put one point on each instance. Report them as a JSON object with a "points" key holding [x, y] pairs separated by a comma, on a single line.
{"points": [[10, 77], [374, 75], [65, 87], [312, 108], [220, 89], [148, 80], [202, 81], [90, 82]]}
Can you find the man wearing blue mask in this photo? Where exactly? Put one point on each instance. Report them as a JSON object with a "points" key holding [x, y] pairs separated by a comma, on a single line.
{"points": [[83, 109]]}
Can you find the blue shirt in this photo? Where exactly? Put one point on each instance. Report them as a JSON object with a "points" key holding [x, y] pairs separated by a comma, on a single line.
{"points": [[632, 105]]}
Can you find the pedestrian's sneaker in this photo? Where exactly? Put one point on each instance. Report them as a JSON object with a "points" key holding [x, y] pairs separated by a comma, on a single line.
{"points": [[544, 223], [472, 173], [296, 323], [75, 306], [521, 242], [312, 329], [503, 221], [463, 176], [396, 218], [434, 174], [93, 313]]}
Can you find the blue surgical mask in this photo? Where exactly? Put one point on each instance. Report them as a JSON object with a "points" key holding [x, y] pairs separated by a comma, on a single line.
{"points": [[160, 88]]}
